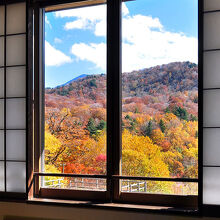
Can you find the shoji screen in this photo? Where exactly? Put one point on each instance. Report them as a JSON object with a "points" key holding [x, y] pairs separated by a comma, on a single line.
{"points": [[211, 115], [13, 98]]}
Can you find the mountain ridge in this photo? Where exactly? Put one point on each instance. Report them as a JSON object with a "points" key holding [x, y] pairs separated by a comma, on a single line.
{"points": [[72, 80], [172, 77]]}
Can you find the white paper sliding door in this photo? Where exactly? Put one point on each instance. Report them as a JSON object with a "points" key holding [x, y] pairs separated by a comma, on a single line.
{"points": [[211, 102], [13, 98]]}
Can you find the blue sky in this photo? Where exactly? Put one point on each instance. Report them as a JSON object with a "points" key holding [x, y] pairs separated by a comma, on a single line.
{"points": [[154, 33]]}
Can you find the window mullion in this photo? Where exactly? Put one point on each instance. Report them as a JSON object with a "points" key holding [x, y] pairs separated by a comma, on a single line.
{"points": [[113, 96]]}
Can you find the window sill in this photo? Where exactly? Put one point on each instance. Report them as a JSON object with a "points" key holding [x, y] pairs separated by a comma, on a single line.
{"points": [[116, 206]]}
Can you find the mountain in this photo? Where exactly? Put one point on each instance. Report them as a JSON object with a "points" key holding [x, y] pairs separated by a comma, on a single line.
{"points": [[172, 77], [72, 80], [151, 89]]}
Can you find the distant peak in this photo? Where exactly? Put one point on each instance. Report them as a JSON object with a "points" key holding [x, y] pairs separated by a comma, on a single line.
{"points": [[72, 80]]}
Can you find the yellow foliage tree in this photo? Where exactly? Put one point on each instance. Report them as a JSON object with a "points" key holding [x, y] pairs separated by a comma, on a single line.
{"points": [[53, 148], [157, 136], [140, 157]]}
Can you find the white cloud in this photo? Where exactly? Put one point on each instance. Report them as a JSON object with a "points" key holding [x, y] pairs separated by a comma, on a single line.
{"points": [[100, 28], [95, 53], [54, 57], [125, 10], [48, 22], [146, 42], [77, 24], [87, 17], [57, 40]]}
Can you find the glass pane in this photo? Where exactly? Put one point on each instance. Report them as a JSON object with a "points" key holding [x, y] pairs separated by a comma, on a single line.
{"points": [[2, 114], [16, 18], [211, 148], [16, 50], [159, 187], [2, 20], [211, 67], [1, 145], [1, 82], [16, 82], [160, 89], [211, 108], [210, 5], [211, 31], [75, 183], [16, 116], [16, 145], [16, 177], [1, 51], [211, 182], [75, 91], [2, 177]]}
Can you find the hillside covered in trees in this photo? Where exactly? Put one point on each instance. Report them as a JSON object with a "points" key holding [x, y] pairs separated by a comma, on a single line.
{"points": [[159, 121]]}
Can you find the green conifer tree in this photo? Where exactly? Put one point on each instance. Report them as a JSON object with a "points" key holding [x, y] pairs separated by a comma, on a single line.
{"points": [[162, 125], [91, 127], [149, 129], [101, 125]]}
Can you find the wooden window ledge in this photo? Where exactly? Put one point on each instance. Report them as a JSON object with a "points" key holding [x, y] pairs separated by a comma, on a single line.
{"points": [[116, 206]]}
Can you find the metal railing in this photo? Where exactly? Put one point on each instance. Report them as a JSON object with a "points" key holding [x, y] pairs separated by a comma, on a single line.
{"points": [[131, 186], [76, 183], [126, 185]]}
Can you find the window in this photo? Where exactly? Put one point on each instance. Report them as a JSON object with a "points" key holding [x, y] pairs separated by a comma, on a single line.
{"points": [[160, 96], [111, 126]]}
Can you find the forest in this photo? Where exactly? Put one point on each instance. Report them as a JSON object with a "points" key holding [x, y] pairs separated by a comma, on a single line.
{"points": [[159, 126]]}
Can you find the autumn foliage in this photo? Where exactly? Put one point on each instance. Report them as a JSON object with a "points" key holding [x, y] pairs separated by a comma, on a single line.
{"points": [[159, 124]]}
